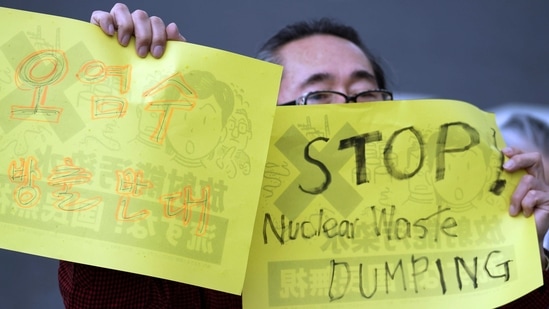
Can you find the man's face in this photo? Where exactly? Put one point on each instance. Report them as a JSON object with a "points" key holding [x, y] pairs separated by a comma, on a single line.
{"points": [[323, 62]]}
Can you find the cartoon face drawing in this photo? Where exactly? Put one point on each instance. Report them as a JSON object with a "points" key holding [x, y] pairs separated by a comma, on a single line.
{"points": [[188, 130], [194, 134], [239, 130]]}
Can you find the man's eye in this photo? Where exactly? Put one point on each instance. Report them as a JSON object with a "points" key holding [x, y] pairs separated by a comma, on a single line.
{"points": [[320, 98], [369, 96]]}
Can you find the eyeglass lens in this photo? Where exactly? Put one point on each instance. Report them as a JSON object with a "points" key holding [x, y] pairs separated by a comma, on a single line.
{"points": [[326, 97]]}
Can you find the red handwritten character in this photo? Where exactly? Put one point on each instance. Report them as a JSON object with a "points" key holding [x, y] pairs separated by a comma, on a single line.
{"points": [[65, 176], [187, 202], [130, 183], [37, 72], [172, 93], [94, 72], [27, 194]]}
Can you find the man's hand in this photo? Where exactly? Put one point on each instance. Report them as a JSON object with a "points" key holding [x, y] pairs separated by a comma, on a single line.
{"points": [[531, 196], [151, 34]]}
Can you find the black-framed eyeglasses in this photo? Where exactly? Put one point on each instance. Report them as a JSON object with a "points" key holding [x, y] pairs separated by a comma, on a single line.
{"points": [[329, 96]]}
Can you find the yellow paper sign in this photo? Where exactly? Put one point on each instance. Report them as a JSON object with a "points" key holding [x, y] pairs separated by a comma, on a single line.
{"points": [[133, 164], [388, 205]]}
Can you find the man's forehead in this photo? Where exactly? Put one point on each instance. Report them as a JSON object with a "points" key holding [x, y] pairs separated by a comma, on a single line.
{"points": [[322, 77], [323, 53], [319, 44]]}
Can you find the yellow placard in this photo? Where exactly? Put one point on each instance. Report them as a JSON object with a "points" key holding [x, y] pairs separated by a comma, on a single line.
{"points": [[388, 205], [142, 165]]}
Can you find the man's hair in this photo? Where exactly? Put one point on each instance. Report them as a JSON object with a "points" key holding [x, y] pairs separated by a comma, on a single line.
{"points": [[531, 128], [303, 29]]}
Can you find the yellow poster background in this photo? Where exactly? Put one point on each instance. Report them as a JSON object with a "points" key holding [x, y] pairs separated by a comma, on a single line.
{"points": [[127, 163], [388, 205]]}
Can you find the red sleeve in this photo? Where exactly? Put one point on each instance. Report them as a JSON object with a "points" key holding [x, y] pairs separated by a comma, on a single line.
{"points": [[84, 286]]}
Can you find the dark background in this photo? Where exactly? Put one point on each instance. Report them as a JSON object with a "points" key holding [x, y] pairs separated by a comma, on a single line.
{"points": [[487, 52]]}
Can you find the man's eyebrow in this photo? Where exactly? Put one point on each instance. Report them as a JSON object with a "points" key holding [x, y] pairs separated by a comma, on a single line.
{"points": [[316, 78], [363, 74], [322, 77]]}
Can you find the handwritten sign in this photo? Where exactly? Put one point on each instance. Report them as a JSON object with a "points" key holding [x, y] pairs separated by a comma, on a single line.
{"points": [[127, 163], [391, 204]]}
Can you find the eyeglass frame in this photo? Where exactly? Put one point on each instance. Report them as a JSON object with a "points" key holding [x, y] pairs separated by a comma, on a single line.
{"points": [[302, 100]]}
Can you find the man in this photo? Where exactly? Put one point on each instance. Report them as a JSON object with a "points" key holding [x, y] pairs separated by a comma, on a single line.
{"points": [[317, 56]]}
